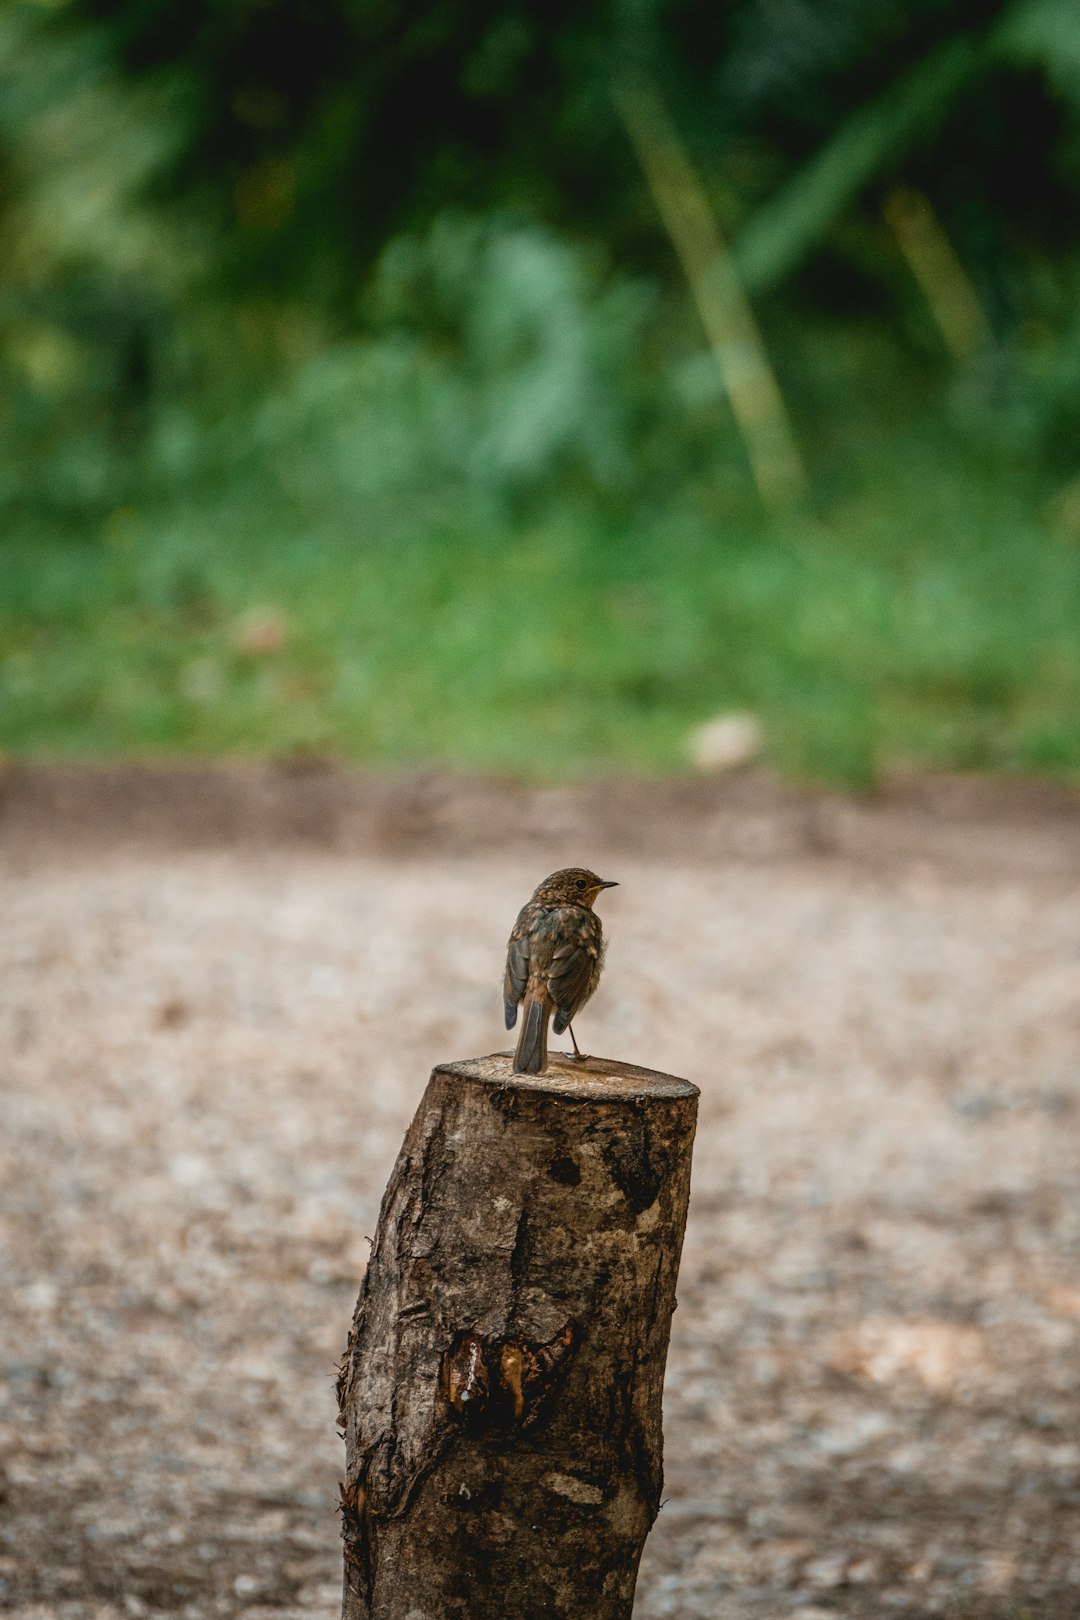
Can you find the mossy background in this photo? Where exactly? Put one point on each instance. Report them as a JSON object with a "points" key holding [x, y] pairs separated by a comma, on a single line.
{"points": [[355, 400]]}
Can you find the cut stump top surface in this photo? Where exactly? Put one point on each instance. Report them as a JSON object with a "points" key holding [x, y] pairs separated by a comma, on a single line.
{"points": [[594, 1079]]}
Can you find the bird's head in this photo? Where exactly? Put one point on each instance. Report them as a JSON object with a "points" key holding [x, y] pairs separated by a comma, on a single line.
{"points": [[573, 886]]}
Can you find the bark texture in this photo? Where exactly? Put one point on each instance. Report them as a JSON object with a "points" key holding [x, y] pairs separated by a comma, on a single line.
{"points": [[501, 1390]]}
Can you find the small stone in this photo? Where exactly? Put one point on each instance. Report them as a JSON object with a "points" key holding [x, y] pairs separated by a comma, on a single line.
{"points": [[172, 1013], [827, 1571], [40, 1295], [727, 743], [998, 1572]]}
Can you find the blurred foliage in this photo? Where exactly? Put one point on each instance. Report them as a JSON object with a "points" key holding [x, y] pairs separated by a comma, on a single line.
{"points": [[360, 318]]}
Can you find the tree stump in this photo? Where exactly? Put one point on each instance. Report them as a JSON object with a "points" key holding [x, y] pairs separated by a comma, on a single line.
{"points": [[501, 1389]]}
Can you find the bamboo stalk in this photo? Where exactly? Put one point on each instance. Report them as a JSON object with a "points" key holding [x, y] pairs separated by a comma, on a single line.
{"points": [[716, 287], [933, 262]]}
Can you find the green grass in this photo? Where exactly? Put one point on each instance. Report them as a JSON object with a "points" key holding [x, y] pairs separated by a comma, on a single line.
{"points": [[929, 621]]}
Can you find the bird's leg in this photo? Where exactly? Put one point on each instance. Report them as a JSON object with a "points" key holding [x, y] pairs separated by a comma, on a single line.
{"points": [[579, 1057]]}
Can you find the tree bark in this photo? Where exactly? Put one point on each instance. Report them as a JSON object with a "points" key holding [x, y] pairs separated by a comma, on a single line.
{"points": [[501, 1389]]}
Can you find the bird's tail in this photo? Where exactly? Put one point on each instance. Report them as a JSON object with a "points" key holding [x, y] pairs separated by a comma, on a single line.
{"points": [[531, 1054]]}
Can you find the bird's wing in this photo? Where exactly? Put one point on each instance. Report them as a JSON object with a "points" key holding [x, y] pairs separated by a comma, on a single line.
{"points": [[572, 973], [516, 978]]}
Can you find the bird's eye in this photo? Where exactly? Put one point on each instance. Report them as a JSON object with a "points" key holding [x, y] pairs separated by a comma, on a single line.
{"points": [[581, 883]]}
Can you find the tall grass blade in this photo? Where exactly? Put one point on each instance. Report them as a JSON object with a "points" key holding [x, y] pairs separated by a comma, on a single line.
{"points": [[781, 234], [752, 389]]}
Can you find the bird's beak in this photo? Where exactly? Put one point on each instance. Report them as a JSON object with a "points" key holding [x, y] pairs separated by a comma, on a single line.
{"points": [[611, 884]]}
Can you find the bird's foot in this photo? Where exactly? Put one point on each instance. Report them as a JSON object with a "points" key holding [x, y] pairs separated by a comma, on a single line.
{"points": [[577, 1056]]}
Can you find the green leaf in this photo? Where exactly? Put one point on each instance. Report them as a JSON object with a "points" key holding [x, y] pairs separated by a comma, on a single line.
{"points": [[1046, 34], [785, 230]]}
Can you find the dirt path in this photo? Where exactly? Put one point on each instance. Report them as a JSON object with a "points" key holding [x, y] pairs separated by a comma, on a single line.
{"points": [[212, 1039]]}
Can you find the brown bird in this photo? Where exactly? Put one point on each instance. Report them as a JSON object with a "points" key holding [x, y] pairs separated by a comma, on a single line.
{"points": [[553, 961]]}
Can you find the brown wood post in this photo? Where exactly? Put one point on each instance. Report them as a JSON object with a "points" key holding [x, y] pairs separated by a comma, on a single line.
{"points": [[501, 1390]]}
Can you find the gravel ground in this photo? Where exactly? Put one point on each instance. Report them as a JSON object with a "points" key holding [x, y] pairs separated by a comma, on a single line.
{"points": [[208, 1054]]}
